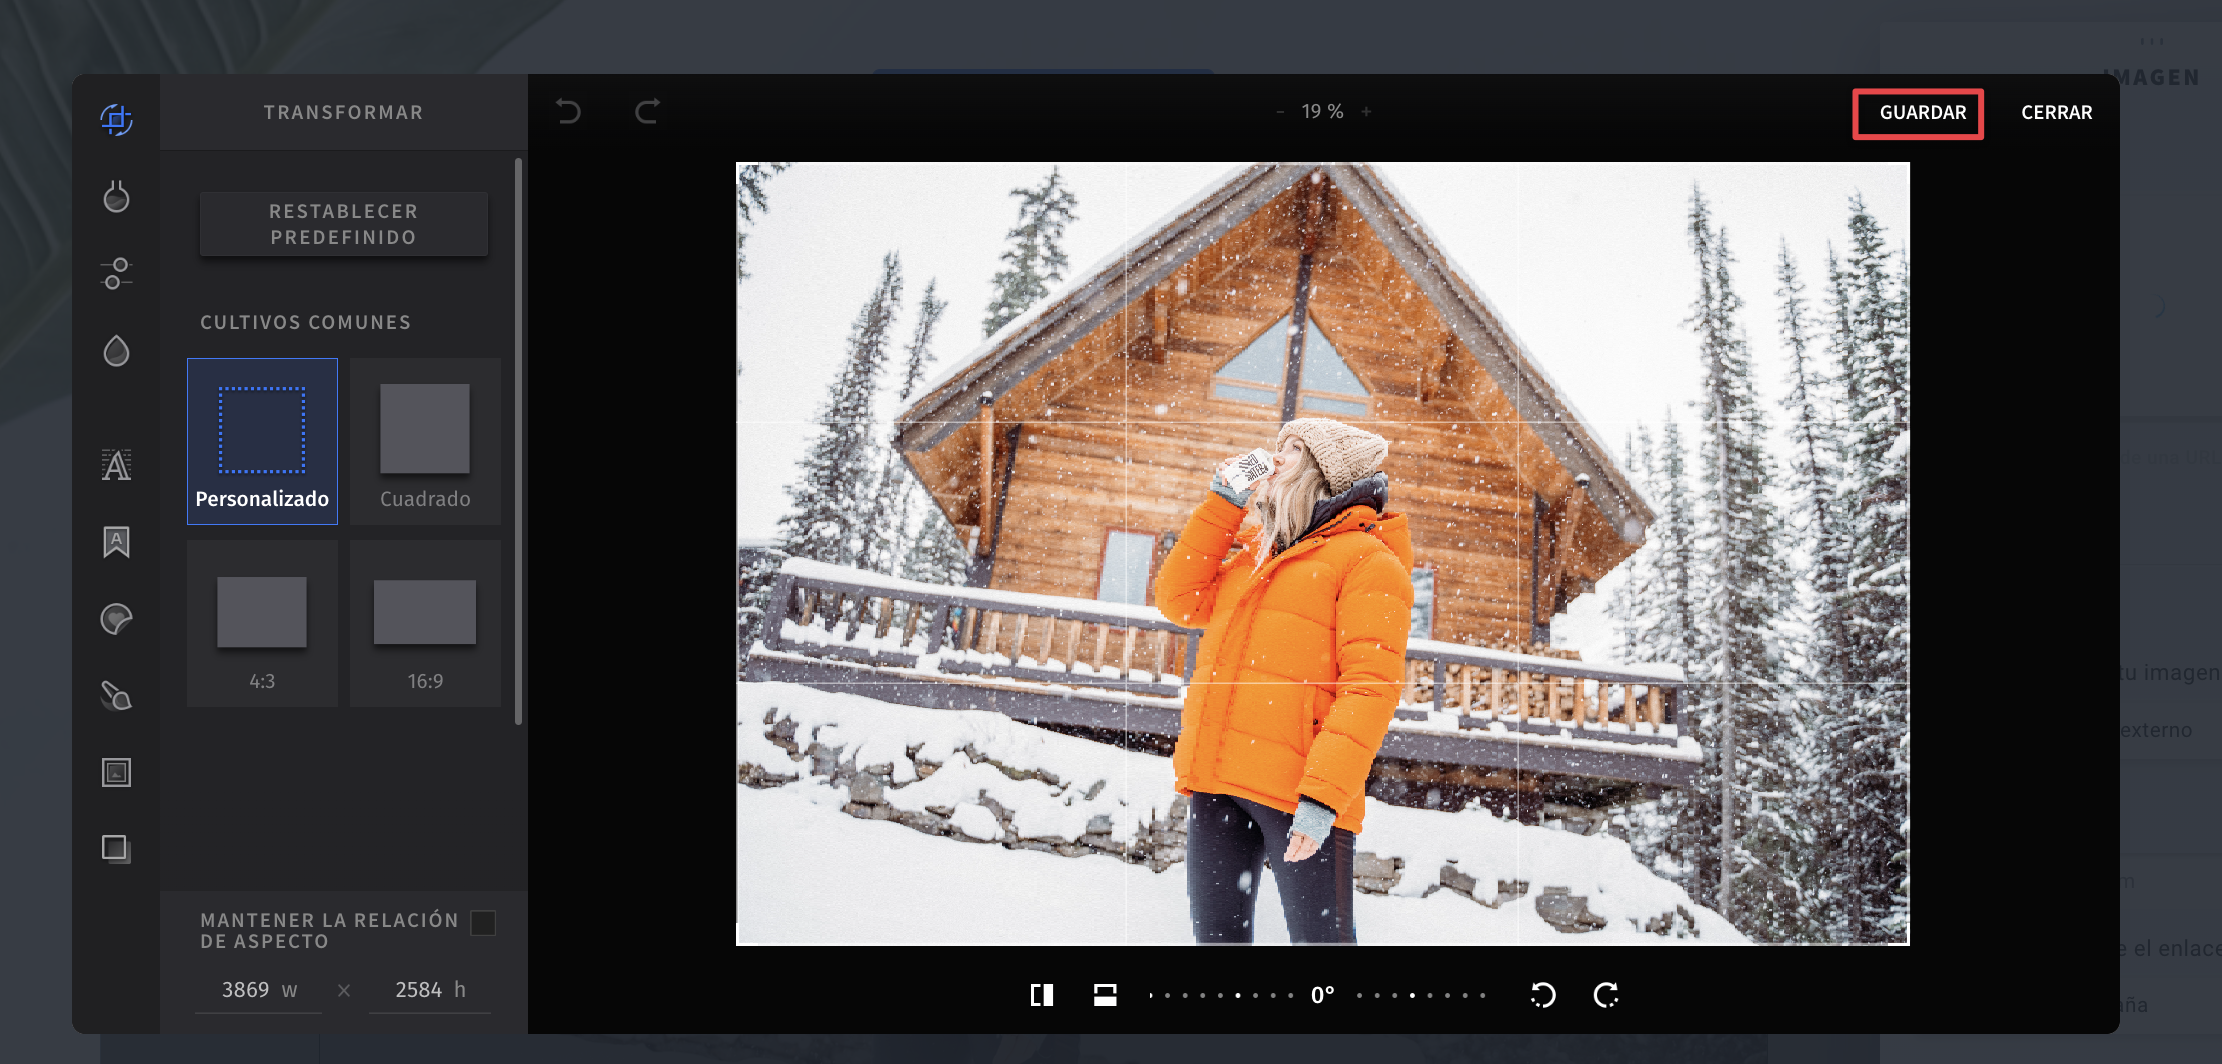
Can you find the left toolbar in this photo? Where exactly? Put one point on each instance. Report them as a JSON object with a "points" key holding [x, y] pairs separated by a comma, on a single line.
{"points": [[115, 480]]}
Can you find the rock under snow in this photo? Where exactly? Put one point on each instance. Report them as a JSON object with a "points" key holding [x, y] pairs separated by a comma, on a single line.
{"points": [[978, 776]]}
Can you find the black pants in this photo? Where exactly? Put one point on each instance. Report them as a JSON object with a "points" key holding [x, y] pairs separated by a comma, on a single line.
{"points": [[1229, 839]]}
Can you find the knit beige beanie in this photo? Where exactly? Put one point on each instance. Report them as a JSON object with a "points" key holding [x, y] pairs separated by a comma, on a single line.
{"points": [[1345, 454]]}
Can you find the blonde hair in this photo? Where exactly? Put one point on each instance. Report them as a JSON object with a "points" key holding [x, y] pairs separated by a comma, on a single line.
{"points": [[1284, 503]]}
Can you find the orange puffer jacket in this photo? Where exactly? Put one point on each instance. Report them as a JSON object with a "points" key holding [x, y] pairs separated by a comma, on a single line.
{"points": [[1302, 657]]}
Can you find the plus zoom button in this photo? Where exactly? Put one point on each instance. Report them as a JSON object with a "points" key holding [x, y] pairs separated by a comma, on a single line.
{"points": [[1917, 114]]}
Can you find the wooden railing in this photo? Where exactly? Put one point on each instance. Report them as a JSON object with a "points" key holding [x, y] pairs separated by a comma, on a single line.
{"points": [[1075, 642], [1038, 638], [1524, 692]]}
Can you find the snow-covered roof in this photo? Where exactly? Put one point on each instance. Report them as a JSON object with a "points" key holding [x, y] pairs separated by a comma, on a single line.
{"points": [[1030, 341], [1059, 296]]}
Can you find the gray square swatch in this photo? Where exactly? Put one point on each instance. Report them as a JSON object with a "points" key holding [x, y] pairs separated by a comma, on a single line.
{"points": [[424, 611], [424, 428], [262, 611]]}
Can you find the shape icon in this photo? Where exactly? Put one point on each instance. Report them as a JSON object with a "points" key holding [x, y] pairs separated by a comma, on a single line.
{"points": [[115, 539]]}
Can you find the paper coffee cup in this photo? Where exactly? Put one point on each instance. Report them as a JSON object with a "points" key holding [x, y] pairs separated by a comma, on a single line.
{"points": [[1248, 469]]}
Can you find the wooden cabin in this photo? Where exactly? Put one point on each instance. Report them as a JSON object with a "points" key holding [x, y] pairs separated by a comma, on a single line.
{"points": [[1071, 446]]}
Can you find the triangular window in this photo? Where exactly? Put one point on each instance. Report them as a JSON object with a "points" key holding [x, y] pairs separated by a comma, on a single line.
{"points": [[1329, 385]]}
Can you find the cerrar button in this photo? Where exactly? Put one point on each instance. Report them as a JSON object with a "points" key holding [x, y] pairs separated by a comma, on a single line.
{"points": [[1917, 114]]}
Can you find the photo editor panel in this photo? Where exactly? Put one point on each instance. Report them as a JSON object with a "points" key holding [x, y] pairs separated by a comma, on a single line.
{"points": [[1607, 401]]}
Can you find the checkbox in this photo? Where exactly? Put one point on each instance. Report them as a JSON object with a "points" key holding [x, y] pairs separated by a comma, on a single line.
{"points": [[482, 921], [115, 772]]}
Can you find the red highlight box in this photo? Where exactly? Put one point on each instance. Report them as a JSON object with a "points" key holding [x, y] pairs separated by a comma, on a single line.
{"points": [[1979, 119]]}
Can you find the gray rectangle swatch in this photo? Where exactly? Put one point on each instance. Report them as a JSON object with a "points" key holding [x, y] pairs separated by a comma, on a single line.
{"points": [[424, 428], [262, 611], [416, 612]]}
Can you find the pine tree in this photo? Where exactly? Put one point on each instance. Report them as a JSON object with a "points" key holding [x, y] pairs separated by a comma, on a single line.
{"points": [[1746, 592], [936, 556], [921, 338], [1869, 745], [1035, 261], [897, 493], [1678, 836], [1629, 599], [1819, 663], [758, 569], [830, 518], [748, 202]]}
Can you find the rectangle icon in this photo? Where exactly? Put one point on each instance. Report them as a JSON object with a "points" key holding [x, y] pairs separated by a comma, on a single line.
{"points": [[262, 611], [420, 612], [424, 428]]}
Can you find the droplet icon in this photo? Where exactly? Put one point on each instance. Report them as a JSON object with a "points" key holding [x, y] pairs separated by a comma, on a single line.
{"points": [[117, 352], [116, 198]]}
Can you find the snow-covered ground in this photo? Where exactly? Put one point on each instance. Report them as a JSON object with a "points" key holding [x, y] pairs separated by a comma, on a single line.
{"points": [[809, 872]]}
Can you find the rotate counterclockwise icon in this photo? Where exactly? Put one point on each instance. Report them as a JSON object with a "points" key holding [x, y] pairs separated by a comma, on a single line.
{"points": [[113, 617]]}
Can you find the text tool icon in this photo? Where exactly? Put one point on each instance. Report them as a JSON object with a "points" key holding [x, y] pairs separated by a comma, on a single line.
{"points": [[1107, 993], [115, 463], [116, 198], [113, 617], [115, 539], [113, 698], [1041, 994]]}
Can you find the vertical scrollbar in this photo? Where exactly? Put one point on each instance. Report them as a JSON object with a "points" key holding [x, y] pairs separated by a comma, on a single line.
{"points": [[517, 526]]}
